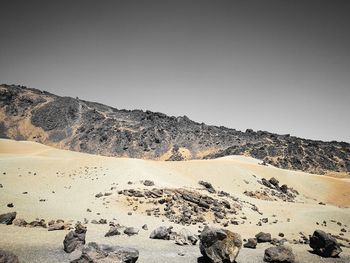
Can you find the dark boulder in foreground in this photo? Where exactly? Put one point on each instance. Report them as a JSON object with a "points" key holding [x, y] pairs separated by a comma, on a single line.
{"points": [[219, 245], [279, 254], [324, 244], [7, 218], [7, 257], [94, 253], [75, 238]]}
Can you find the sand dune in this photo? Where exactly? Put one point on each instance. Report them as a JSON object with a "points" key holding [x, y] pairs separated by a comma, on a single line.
{"points": [[68, 181]]}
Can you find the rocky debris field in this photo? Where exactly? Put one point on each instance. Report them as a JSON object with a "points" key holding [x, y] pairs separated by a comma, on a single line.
{"points": [[187, 207], [216, 245], [273, 191]]}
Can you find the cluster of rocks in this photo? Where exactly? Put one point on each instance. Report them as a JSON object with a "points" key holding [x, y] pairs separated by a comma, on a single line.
{"points": [[116, 230], [74, 243], [10, 218], [52, 225], [262, 195], [182, 206], [216, 245], [273, 189]]}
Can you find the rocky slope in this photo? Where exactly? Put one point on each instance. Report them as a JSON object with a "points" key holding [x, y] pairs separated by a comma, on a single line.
{"points": [[74, 124]]}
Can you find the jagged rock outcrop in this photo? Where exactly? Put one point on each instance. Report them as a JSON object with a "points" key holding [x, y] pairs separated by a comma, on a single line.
{"points": [[74, 124]]}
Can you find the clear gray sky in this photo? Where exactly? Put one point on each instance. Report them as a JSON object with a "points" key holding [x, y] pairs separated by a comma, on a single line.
{"points": [[280, 66]]}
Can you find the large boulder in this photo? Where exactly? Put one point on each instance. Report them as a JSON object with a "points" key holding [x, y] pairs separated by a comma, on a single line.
{"points": [[75, 238], [94, 253], [161, 232], [219, 245], [324, 244], [8, 257], [279, 254], [7, 218]]}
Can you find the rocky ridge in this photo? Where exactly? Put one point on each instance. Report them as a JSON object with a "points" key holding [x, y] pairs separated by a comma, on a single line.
{"points": [[75, 124]]}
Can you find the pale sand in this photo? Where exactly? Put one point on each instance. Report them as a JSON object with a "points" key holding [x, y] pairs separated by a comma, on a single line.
{"points": [[74, 192]]}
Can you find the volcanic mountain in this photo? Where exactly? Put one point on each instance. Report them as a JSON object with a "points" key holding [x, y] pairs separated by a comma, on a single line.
{"points": [[89, 127]]}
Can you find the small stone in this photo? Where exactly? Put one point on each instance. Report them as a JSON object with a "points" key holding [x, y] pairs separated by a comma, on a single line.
{"points": [[113, 231], [130, 231], [99, 195], [251, 243], [263, 237]]}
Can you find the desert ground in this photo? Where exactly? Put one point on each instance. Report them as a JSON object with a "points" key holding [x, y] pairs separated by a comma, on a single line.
{"points": [[46, 183]]}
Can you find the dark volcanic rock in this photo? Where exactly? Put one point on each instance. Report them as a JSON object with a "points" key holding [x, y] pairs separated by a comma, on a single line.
{"points": [[74, 238], [94, 253], [324, 244], [144, 134], [251, 243], [7, 218], [57, 114], [130, 231], [219, 245], [8, 257], [279, 254], [113, 231], [263, 237], [148, 183], [208, 186]]}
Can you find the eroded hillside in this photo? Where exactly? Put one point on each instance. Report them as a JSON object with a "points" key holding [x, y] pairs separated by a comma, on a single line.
{"points": [[74, 124]]}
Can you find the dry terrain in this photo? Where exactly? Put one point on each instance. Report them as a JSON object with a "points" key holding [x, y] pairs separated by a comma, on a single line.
{"points": [[47, 183]]}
